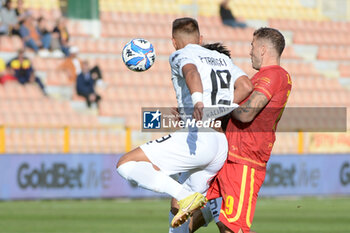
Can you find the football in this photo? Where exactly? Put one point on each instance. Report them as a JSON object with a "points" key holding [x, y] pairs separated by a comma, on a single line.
{"points": [[138, 55]]}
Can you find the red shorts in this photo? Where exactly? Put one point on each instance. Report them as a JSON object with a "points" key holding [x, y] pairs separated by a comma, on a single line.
{"points": [[238, 185]]}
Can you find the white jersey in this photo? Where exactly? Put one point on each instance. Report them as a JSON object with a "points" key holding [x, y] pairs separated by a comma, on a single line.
{"points": [[201, 154], [217, 71]]}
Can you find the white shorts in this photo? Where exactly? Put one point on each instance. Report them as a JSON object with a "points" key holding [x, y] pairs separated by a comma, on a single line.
{"points": [[200, 154]]}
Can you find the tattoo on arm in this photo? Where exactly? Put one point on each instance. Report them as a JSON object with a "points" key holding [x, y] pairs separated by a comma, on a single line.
{"points": [[256, 102], [246, 107]]}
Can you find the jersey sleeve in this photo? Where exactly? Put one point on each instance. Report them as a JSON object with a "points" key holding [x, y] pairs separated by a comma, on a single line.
{"points": [[179, 59], [268, 84]]}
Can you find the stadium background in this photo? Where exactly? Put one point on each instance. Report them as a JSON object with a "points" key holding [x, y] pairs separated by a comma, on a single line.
{"points": [[45, 131]]}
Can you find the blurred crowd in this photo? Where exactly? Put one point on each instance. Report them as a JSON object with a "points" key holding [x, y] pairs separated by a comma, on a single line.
{"points": [[227, 16], [44, 41], [34, 33], [47, 39], [19, 69]]}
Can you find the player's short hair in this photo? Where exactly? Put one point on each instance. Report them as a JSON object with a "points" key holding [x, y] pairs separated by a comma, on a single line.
{"points": [[274, 36], [186, 25], [218, 47]]}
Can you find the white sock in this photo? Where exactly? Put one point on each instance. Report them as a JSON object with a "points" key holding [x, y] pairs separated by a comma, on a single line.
{"points": [[181, 229], [147, 177]]}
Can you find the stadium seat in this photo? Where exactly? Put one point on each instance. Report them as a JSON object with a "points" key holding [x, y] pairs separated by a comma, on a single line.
{"points": [[334, 53], [163, 47], [128, 91], [289, 53], [344, 70], [239, 50], [57, 78], [10, 44]]}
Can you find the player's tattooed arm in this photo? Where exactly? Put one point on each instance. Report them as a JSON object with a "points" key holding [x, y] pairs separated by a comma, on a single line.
{"points": [[248, 110]]}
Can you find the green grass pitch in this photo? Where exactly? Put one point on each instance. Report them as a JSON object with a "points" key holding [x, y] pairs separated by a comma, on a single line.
{"points": [[306, 215]]}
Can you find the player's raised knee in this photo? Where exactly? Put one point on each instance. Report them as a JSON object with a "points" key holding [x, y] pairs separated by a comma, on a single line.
{"points": [[122, 160], [134, 155]]}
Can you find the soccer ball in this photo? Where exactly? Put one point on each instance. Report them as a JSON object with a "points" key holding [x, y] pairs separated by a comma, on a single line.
{"points": [[138, 55]]}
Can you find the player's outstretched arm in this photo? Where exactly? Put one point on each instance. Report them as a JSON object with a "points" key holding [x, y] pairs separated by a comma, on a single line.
{"points": [[243, 87], [194, 84], [249, 109]]}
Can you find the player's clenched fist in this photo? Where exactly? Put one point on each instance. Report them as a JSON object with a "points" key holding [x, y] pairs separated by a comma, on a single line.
{"points": [[198, 111]]}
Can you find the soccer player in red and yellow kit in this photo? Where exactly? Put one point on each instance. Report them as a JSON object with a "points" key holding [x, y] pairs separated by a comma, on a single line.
{"points": [[251, 134]]}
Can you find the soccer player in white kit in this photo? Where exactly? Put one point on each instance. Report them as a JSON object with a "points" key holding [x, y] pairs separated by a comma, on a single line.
{"points": [[201, 78]]}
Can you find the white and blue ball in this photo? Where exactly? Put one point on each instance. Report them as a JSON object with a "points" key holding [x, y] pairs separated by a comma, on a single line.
{"points": [[138, 55]]}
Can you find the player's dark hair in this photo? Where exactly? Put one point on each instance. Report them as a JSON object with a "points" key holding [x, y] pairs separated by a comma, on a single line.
{"points": [[186, 24], [274, 36], [218, 47]]}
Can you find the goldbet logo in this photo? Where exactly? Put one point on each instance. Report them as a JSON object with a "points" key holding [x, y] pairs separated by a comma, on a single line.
{"points": [[293, 175], [345, 174], [59, 175]]}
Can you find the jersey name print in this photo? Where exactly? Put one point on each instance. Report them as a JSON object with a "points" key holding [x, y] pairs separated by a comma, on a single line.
{"points": [[213, 61], [218, 75]]}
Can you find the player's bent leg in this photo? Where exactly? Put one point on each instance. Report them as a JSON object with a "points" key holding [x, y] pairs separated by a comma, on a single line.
{"points": [[134, 155], [239, 194], [205, 215], [197, 220], [198, 181], [174, 207], [184, 228], [134, 167], [189, 205], [186, 208], [211, 211]]}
